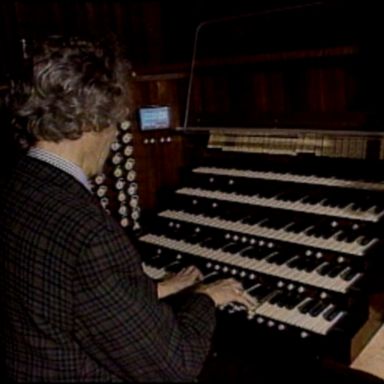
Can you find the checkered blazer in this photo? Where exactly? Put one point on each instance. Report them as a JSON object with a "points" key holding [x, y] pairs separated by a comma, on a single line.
{"points": [[78, 307]]}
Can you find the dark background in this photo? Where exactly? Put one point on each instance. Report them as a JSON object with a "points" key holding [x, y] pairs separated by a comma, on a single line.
{"points": [[162, 32]]}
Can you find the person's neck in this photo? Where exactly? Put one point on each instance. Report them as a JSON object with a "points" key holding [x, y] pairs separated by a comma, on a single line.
{"points": [[70, 150]]}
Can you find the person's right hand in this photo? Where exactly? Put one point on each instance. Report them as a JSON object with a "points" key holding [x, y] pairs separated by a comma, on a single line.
{"points": [[226, 291]]}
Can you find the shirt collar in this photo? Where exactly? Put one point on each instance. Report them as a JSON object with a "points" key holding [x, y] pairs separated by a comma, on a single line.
{"points": [[61, 163]]}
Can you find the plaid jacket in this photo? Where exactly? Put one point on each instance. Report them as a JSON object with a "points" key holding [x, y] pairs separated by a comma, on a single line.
{"points": [[78, 306]]}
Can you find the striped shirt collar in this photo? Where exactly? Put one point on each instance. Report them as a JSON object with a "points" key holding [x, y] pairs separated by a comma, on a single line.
{"points": [[61, 163]]}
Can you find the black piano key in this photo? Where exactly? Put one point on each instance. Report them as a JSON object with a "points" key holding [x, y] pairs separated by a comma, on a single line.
{"points": [[337, 202], [177, 233], [266, 223], [312, 264], [267, 191], [278, 258], [318, 308], [327, 202], [365, 240], [251, 287], [237, 216], [277, 222], [302, 263], [286, 299], [194, 238], [336, 269], [214, 242], [325, 269], [355, 205], [253, 219], [175, 266], [234, 247], [262, 292], [291, 196], [348, 235], [299, 226], [349, 274], [324, 229], [378, 208], [313, 199], [331, 313], [210, 276], [282, 258], [155, 262], [293, 262], [293, 300], [257, 253], [163, 261], [365, 203], [279, 297], [306, 306]]}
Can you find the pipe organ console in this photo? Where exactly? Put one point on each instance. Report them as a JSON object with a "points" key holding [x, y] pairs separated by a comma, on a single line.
{"points": [[303, 234]]}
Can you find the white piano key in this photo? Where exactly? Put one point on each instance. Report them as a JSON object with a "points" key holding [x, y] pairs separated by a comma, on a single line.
{"points": [[346, 212], [254, 230], [315, 180], [260, 266]]}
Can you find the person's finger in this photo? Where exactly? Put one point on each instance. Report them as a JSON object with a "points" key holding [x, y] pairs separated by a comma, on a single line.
{"points": [[230, 282], [198, 274], [193, 272], [185, 272], [189, 270], [246, 299]]}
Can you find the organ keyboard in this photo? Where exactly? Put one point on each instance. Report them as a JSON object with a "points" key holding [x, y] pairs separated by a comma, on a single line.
{"points": [[303, 243]]}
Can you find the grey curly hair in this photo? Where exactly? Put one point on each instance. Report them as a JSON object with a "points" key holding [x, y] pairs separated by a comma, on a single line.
{"points": [[75, 86]]}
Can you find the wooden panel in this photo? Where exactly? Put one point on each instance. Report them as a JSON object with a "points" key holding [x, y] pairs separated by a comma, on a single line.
{"points": [[252, 95], [159, 154], [159, 159]]}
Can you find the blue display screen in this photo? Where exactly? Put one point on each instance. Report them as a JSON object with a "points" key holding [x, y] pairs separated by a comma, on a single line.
{"points": [[154, 118]]}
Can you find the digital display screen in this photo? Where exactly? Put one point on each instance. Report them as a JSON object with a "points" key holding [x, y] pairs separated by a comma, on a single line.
{"points": [[154, 117]]}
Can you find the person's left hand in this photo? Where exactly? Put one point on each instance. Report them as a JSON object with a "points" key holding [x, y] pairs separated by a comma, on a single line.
{"points": [[177, 282]]}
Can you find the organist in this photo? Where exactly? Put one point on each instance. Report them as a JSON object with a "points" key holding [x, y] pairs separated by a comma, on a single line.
{"points": [[78, 306]]}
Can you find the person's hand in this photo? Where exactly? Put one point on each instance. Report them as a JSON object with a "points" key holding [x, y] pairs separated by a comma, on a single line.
{"points": [[177, 282], [226, 291]]}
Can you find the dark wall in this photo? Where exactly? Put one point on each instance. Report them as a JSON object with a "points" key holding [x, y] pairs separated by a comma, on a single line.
{"points": [[161, 32]]}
